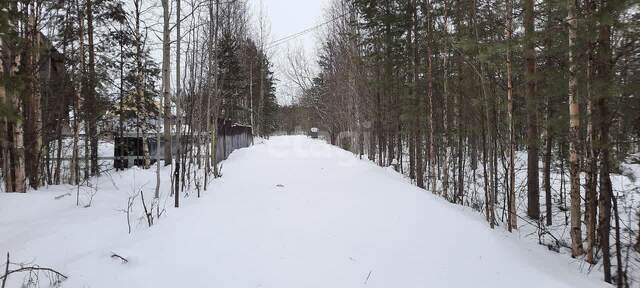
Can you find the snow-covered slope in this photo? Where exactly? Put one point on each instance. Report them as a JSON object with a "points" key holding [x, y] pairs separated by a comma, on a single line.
{"points": [[291, 212]]}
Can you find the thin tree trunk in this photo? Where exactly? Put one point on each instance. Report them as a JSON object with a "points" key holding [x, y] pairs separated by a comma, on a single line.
{"points": [[511, 196], [591, 194], [546, 166], [445, 111], [176, 173], [74, 165], [488, 203], [261, 88], [92, 99], [156, 195], [35, 109], [213, 66], [62, 111], [412, 137], [494, 152], [4, 125], [418, 121], [533, 189], [122, 143], [574, 130], [486, 134], [620, 277], [58, 168], [19, 176], [431, 119], [166, 81], [591, 199], [604, 224], [604, 74]]}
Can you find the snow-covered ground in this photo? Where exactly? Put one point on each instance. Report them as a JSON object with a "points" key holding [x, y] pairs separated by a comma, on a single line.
{"points": [[289, 212]]}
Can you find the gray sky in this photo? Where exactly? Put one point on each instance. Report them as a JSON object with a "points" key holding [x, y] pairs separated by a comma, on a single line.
{"points": [[285, 18]]}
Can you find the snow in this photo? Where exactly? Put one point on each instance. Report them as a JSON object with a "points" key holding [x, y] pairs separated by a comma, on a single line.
{"points": [[626, 188], [288, 212]]}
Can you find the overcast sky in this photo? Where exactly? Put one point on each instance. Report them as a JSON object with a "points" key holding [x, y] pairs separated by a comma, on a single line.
{"points": [[284, 18]]}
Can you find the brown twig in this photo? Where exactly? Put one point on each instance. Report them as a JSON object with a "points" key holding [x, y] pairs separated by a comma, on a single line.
{"points": [[114, 255], [146, 212], [6, 272]]}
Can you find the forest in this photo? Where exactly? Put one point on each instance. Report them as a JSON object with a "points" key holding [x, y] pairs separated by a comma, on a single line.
{"points": [[524, 112], [460, 96], [76, 72]]}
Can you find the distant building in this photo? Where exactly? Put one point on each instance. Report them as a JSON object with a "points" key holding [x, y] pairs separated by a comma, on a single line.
{"points": [[128, 150]]}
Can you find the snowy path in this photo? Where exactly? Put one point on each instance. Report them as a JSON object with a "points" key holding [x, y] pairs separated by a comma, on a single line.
{"points": [[336, 222]]}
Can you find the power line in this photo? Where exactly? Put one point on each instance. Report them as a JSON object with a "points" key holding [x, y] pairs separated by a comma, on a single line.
{"points": [[298, 34]]}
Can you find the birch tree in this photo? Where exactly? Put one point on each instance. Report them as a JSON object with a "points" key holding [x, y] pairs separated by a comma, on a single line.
{"points": [[166, 80], [574, 119]]}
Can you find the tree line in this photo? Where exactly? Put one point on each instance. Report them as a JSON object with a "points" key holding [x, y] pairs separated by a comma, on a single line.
{"points": [[454, 93]]}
